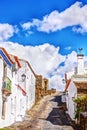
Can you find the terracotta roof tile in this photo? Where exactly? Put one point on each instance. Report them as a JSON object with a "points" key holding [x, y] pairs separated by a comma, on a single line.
{"points": [[67, 84], [17, 60]]}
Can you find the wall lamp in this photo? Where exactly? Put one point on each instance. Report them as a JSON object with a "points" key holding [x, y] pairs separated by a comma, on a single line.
{"points": [[23, 77]]}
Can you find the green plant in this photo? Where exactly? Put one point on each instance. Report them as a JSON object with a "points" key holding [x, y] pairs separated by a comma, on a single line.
{"points": [[81, 99], [79, 109], [81, 105], [4, 129]]}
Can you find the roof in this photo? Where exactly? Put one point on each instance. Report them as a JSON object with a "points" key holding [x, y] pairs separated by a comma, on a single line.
{"points": [[81, 85], [6, 57], [15, 59], [67, 84]]}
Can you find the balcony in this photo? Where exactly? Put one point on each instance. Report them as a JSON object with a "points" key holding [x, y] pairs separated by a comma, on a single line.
{"points": [[6, 87], [6, 91]]}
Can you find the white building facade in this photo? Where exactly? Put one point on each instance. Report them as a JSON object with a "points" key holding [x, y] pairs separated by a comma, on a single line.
{"points": [[17, 88], [71, 94], [79, 76]]}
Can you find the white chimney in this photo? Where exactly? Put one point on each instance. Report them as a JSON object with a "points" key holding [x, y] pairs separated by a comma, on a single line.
{"points": [[80, 60]]}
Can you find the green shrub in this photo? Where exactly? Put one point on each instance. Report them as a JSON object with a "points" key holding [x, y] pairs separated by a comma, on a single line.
{"points": [[4, 129]]}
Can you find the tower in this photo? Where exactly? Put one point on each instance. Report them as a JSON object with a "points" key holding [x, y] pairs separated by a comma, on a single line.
{"points": [[80, 61]]}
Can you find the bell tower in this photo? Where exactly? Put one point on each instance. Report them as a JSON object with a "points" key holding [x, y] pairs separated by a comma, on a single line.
{"points": [[80, 61]]}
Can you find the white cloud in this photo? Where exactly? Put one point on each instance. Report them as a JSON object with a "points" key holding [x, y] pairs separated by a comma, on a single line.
{"points": [[45, 60], [6, 31], [72, 16], [16, 29], [26, 25], [68, 48], [69, 63], [56, 82], [79, 30]]}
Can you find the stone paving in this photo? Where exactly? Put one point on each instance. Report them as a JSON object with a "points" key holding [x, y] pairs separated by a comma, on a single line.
{"points": [[37, 117]]}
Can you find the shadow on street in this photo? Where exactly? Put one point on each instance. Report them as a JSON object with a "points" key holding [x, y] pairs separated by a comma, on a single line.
{"points": [[58, 116]]}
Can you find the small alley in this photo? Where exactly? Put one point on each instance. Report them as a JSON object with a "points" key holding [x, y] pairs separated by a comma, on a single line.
{"points": [[47, 114]]}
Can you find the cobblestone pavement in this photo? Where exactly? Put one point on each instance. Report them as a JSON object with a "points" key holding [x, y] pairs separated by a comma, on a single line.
{"points": [[45, 115]]}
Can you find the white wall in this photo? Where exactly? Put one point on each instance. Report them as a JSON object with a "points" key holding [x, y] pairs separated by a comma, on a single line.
{"points": [[72, 93], [30, 83], [1, 76], [17, 103], [63, 97]]}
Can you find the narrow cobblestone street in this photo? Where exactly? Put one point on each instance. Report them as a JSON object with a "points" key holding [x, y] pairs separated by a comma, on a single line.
{"points": [[45, 115]]}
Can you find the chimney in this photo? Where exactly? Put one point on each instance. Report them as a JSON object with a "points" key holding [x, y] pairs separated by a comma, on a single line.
{"points": [[80, 61]]}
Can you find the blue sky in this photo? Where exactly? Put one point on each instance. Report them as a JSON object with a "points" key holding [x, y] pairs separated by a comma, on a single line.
{"points": [[19, 12], [56, 28]]}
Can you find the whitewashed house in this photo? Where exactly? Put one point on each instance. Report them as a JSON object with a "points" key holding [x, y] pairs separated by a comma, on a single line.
{"points": [[27, 80], [76, 82], [17, 85], [71, 94], [5, 85], [73, 90]]}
